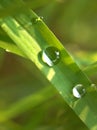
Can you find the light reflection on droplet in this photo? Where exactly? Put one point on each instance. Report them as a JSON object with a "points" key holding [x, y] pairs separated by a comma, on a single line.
{"points": [[78, 91]]}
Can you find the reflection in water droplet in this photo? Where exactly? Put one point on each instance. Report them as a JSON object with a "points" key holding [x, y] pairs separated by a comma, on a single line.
{"points": [[78, 91], [38, 19], [51, 56]]}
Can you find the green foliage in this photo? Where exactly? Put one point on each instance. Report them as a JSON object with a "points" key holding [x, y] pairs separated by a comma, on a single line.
{"points": [[28, 100]]}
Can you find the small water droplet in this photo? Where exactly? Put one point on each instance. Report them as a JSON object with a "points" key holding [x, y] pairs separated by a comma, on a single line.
{"points": [[51, 56], [38, 19], [7, 50], [93, 85], [60, 92], [78, 91]]}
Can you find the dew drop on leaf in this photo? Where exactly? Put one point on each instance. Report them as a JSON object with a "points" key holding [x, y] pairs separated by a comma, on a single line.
{"points": [[7, 50], [38, 19], [51, 56], [93, 85], [78, 91]]}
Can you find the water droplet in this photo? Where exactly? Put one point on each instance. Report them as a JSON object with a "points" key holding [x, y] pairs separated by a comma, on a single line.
{"points": [[60, 92], [93, 85], [38, 19], [51, 55], [78, 91], [7, 50]]}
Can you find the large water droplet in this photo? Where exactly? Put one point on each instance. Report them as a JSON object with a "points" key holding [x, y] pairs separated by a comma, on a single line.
{"points": [[78, 91], [51, 55]]}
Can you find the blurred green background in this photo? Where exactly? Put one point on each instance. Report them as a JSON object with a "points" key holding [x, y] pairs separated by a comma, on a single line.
{"points": [[74, 22]]}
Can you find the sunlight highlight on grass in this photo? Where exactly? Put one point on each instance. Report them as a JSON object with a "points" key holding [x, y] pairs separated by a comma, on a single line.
{"points": [[51, 74], [84, 113]]}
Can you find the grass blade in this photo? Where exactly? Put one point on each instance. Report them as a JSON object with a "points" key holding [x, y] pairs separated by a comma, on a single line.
{"points": [[32, 38], [10, 47], [16, 6]]}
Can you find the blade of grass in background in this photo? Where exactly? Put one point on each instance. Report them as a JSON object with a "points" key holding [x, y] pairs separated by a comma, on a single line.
{"points": [[91, 69], [12, 7], [33, 38], [10, 125], [27, 103], [10, 47]]}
